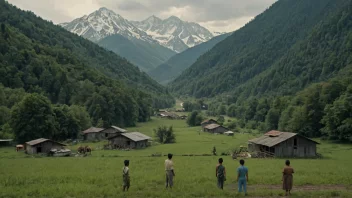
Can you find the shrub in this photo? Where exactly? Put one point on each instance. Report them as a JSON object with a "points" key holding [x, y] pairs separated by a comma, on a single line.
{"points": [[165, 135]]}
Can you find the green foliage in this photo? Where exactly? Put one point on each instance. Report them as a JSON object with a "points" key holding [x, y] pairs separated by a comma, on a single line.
{"points": [[221, 120], [194, 119], [165, 135], [145, 55], [170, 69], [37, 56], [33, 118]]}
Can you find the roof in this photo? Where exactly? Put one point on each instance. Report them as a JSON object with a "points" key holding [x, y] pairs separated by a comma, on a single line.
{"points": [[273, 138], [169, 114], [41, 140], [118, 129], [92, 130], [229, 132], [134, 136], [205, 121], [6, 140], [213, 126]]}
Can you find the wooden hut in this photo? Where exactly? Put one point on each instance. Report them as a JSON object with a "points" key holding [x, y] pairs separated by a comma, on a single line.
{"points": [[131, 140], [284, 144], [112, 131], [215, 128], [42, 145], [207, 122], [93, 133]]}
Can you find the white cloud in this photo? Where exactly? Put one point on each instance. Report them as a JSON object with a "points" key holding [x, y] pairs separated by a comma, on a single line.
{"points": [[218, 15]]}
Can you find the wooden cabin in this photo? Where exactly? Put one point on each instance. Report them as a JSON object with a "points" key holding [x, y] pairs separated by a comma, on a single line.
{"points": [[42, 145], [131, 140], [284, 144], [93, 133], [207, 122], [215, 128], [112, 131]]}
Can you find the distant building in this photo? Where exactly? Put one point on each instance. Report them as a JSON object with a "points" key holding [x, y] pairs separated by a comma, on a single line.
{"points": [[42, 145], [131, 140], [207, 122], [5, 142], [169, 115], [215, 128], [93, 133], [284, 144], [112, 131]]}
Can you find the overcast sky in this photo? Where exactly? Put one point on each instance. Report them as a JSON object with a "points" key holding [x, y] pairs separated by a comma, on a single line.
{"points": [[217, 15]]}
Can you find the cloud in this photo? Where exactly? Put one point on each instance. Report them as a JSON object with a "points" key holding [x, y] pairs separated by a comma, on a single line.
{"points": [[223, 15]]}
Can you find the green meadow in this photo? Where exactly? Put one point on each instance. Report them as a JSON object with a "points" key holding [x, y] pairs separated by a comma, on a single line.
{"points": [[99, 175]]}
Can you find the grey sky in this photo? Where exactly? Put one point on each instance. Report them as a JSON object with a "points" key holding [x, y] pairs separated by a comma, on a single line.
{"points": [[217, 15]]}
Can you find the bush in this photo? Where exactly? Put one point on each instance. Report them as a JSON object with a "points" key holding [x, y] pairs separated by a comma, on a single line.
{"points": [[194, 119], [165, 135]]}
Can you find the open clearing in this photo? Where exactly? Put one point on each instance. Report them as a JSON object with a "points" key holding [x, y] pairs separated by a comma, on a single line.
{"points": [[99, 175]]}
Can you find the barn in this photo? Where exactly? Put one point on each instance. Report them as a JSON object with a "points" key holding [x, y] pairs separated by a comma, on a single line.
{"points": [[131, 140], [284, 144], [207, 122], [42, 145], [215, 128], [93, 133], [112, 131]]}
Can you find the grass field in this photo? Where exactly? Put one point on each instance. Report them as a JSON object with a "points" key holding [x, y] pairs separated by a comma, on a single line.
{"points": [[99, 175]]}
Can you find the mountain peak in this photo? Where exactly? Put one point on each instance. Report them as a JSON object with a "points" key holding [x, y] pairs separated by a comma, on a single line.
{"points": [[174, 18], [153, 18]]}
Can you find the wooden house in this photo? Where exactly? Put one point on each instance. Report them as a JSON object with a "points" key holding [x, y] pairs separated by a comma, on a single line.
{"points": [[93, 133], [112, 131], [207, 122], [169, 115], [131, 140], [42, 145], [284, 144], [215, 128], [5, 142]]}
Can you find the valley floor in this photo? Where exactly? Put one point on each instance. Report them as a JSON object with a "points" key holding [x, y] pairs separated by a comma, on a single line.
{"points": [[99, 175]]}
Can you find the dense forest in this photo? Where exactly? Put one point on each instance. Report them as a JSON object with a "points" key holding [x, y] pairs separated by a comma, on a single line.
{"points": [[172, 68], [254, 49], [55, 83], [143, 54], [308, 90]]}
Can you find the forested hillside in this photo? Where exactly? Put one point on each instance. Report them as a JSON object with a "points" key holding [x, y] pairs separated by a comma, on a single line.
{"points": [[172, 68], [254, 48], [307, 90], [145, 55], [42, 64]]}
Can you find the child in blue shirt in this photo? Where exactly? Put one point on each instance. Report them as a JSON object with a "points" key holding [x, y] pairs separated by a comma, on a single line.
{"points": [[242, 177]]}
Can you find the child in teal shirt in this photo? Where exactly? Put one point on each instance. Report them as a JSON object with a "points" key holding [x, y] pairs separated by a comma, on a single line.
{"points": [[242, 177]]}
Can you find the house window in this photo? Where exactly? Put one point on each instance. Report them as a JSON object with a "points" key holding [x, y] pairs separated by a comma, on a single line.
{"points": [[295, 143], [39, 149], [106, 135], [128, 143]]}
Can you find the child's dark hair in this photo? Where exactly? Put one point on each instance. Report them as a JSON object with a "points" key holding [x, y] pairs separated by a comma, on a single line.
{"points": [[126, 162], [169, 155], [287, 162], [242, 162], [220, 160]]}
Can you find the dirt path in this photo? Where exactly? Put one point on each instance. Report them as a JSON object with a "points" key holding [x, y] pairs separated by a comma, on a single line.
{"points": [[297, 188]]}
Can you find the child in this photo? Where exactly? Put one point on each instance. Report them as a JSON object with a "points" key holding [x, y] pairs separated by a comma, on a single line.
{"points": [[126, 176], [287, 178], [242, 177], [220, 174]]}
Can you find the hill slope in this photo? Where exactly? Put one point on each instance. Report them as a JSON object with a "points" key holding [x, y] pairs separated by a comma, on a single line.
{"points": [[40, 57], [254, 48], [171, 69], [143, 54]]}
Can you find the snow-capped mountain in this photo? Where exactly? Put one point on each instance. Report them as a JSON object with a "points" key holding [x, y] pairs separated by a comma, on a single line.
{"points": [[174, 33], [103, 23]]}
